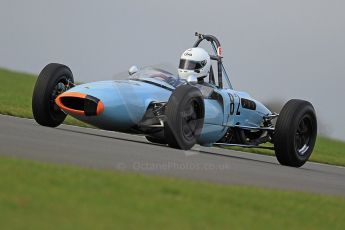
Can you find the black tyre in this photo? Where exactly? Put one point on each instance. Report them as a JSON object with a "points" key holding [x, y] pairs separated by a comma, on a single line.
{"points": [[184, 117], [53, 80], [295, 133], [155, 140]]}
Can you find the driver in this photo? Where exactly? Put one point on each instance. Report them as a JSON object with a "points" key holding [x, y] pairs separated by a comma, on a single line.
{"points": [[194, 61]]}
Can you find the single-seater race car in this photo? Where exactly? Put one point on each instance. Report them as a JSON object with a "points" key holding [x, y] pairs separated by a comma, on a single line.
{"points": [[179, 110]]}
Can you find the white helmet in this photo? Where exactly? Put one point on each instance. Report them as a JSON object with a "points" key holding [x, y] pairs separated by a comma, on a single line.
{"points": [[194, 61]]}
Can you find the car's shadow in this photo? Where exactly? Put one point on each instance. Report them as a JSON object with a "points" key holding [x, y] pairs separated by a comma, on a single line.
{"points": [[192, 150]]}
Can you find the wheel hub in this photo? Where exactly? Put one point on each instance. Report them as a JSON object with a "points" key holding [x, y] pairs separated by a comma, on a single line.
{"points": [[303, 136]]}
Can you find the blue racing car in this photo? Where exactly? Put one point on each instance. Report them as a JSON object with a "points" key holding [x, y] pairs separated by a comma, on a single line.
{"points": [[197, 106]]}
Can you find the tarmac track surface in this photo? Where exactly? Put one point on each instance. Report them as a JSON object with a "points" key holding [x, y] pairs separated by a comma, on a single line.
{"points": [[24, 138]]}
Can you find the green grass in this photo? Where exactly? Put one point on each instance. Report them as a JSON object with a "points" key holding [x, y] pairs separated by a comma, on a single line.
{"points": [[326, 151], [16, 93], [44, 196], [15, 99]]}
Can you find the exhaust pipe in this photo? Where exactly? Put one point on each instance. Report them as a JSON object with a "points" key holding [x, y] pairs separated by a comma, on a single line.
{"points": [[79, 104]]}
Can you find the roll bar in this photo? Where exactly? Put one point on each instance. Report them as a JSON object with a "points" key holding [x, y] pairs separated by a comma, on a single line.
{"points": [[218, 51]]}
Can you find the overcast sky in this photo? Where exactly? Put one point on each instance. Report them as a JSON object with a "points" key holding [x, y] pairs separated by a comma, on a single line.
{"points": [[275, 50]]}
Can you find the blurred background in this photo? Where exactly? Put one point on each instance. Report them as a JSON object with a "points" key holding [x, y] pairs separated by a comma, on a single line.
{"points": [[275, 50]]}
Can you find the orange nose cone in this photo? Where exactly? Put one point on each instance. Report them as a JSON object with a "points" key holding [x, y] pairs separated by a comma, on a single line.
{"points": [[79, 104], [59, 103], [73, 94], [100, 107]]}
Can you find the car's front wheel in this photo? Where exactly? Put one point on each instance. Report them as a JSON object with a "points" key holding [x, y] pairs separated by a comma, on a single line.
{"points": [[53, 80], [184, 117], [295, 133]]}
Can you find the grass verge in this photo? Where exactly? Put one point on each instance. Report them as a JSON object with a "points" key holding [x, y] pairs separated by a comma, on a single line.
{"points": [[15, 95], [37, 195], [326, 151], [15, 99]]}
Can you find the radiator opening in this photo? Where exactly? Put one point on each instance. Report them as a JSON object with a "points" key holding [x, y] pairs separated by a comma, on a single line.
{"points": [[75, 103]]}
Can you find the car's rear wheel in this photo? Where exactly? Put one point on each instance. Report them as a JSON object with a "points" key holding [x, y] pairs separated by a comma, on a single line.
{"points": [[184, 117], [53, 80], [295, 133]]}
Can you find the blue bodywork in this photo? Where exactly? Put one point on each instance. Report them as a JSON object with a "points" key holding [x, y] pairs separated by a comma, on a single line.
{"points": [[126, 103]]}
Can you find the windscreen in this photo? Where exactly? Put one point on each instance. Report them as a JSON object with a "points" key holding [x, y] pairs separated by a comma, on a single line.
{"points": [[157, 76]]}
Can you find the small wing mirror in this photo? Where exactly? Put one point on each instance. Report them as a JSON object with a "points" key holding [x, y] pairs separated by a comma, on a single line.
{"points": [[133, 70], [192, 79]]}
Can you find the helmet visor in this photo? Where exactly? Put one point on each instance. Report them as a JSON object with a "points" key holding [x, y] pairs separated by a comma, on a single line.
{"points": [[191, 65]]}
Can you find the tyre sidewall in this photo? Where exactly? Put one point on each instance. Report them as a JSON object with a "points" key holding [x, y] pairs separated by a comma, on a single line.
{"points": [[49, 77], [175, 115], [284, 139], [305, 112]]}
